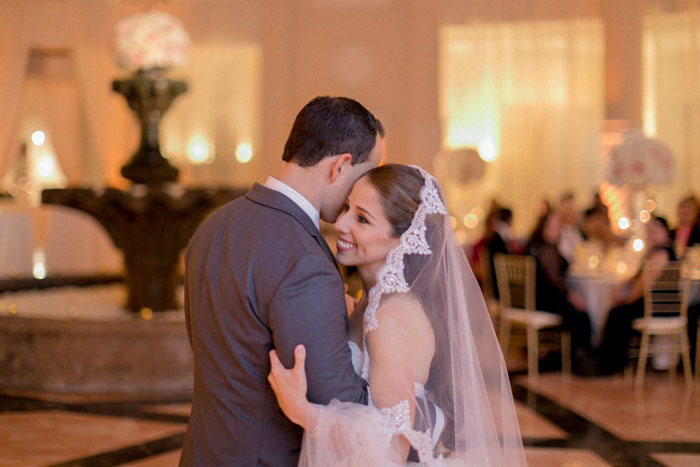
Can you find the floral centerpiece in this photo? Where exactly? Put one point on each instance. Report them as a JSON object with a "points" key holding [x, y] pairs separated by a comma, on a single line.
{"points": [[150, 40], [639, 161]]}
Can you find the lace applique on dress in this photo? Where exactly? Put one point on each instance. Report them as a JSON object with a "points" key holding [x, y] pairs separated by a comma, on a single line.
{"points": [[398, 420]]}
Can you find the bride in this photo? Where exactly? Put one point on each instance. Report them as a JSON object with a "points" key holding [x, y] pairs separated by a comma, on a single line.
{"points": [[421, 337]]}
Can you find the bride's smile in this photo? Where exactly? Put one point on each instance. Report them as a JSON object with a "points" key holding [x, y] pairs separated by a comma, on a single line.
{"points": [[364, 232]]}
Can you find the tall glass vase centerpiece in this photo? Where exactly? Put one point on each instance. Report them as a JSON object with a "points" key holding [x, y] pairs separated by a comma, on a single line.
{"points": [[152, 222]]}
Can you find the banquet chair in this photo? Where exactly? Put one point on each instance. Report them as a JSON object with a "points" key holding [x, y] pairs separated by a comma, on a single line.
{"points": [[665, 314], [516, 287]]}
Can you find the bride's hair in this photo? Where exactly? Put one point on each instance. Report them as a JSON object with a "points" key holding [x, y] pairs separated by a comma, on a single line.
{"points": [[399, 188]]}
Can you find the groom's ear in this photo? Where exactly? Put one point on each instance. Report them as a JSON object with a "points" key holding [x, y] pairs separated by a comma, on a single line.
{"points": [[342, 164]]}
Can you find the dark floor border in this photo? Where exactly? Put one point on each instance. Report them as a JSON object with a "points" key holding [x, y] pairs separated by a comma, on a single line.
{"points": [[128, 454], [132, 409]]}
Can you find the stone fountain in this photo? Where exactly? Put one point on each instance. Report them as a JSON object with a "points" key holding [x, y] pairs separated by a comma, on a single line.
{"points": [[153, 221], [89, 340]]}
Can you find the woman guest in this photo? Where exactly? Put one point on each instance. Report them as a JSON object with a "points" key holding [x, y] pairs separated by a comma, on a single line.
{"points": [[687, 233], [628, 300], [552, 294]]}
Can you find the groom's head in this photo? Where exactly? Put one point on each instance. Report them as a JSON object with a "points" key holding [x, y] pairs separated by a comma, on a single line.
{"points": [[343, 139]]}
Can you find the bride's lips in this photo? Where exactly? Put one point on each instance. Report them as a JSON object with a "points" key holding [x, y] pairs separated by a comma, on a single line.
{"points": [[344, 245]]}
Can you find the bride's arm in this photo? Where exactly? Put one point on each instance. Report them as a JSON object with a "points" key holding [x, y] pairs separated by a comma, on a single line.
{"points": [[399, 348], [391, 374]]}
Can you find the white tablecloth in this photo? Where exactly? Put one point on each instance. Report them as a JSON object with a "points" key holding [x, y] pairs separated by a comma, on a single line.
{"points": [[597, 293], [73, 243]]}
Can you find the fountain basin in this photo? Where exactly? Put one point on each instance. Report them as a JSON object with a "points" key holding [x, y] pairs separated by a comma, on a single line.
{"points": [[82, 340]]}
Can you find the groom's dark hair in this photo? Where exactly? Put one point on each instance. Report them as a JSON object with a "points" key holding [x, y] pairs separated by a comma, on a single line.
{"points": [[327, 126]]}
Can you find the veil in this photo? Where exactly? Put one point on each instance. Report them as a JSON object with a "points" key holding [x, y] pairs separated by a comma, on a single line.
{"points": [[464, 413]]}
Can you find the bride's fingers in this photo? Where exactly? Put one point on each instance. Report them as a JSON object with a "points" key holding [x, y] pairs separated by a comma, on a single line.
{"points": [[299, 360], [275, 367]]}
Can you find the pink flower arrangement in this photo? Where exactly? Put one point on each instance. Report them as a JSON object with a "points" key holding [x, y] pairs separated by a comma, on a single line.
{"points": [[149, 40], [639, 160]]}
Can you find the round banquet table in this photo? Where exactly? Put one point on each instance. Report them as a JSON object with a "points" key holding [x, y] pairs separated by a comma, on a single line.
{"points": [[596, 290]]}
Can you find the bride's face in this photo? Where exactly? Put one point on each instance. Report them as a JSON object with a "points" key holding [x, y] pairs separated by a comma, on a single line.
{"points": [[364, 232]]}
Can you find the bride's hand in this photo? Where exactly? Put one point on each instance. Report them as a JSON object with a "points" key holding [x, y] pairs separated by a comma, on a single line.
{"points": [[290, 388], [350, 302]]}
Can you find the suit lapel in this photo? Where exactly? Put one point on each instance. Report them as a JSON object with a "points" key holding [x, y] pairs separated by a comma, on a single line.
{"points": [[276, 200]]}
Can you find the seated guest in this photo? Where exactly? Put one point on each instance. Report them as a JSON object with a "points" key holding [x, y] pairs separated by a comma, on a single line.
{"points": [[628, 300], [687, 232], [596, 228], [480, 248], [571, 236], [552, 294]]}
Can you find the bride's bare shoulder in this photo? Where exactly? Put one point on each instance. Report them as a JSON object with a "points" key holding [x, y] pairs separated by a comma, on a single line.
{"points": [[403, 310]]}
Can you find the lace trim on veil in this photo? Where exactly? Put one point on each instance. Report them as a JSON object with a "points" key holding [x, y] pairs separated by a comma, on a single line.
{"points": [[390, 276]]}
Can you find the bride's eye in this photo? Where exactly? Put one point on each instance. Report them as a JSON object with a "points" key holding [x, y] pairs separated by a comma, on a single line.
{"points": [[362, 219], [345, 207]]}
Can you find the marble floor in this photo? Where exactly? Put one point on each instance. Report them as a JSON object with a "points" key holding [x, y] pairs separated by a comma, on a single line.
{"points": [[565, 422]]}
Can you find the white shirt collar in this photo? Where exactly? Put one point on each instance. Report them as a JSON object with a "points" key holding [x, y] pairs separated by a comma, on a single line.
{"points": [[281, 187]]}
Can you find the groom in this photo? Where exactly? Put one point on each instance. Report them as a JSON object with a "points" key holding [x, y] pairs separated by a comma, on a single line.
{"points": [[259, 276]]}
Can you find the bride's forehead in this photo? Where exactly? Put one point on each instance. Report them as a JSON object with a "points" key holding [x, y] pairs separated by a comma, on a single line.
{"points": [[363, 190]]}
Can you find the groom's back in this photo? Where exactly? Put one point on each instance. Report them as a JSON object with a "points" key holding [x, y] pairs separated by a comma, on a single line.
{"points": [[235, 264]]}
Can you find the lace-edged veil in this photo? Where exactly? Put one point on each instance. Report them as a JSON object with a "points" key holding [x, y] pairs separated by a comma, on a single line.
{"points": [[468, 379]]}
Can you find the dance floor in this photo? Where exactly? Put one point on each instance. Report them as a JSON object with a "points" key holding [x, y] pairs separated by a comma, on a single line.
{"points": [[579, 422]]}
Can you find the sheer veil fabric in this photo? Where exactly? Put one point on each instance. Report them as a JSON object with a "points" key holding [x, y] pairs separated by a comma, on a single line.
{"points": [[464, 413]]}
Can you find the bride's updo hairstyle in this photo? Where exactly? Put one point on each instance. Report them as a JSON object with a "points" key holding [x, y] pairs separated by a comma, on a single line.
{"points": [[399, 188]]}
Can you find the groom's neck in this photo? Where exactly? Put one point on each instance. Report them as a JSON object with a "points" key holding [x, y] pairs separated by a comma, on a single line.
{"points": [[307, 181]]}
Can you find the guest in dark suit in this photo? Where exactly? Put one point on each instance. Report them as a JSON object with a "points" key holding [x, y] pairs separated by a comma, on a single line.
{"points": [[628, 300], [259, 276], [498, 243]]}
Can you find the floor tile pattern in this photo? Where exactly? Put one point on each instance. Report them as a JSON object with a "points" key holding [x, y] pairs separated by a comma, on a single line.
{"points": [[565, 422]]}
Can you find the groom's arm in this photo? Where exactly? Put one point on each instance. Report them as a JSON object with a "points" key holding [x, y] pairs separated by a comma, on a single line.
{"points": [[309, 308]]}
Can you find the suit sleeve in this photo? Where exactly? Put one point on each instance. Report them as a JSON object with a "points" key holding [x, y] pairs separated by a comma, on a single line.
{"points": [[309, 308]]}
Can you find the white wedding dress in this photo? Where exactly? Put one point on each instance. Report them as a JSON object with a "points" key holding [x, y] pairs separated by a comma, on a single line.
{"points": [[464, 414]]}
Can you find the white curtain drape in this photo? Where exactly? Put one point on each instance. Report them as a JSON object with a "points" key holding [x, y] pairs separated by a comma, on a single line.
{"points": [[221, 110], [15, 41], [671, 105], [531, 95]]}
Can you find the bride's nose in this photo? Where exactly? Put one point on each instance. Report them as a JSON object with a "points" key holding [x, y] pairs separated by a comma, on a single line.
{"points": [[340, 223]]}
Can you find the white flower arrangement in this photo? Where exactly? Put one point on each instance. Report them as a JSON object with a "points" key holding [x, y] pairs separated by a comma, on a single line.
{"points": [[149, 40]]}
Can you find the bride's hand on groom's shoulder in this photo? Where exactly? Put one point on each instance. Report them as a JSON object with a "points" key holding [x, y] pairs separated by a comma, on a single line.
{"points": [[350, 302], [290, 388]]}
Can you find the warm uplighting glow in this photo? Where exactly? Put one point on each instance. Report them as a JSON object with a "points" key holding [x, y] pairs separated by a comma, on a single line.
{"points": [[621, 267], [593, 262], [38, 268], [38, 137], [198, 150], [244, 153], [638, 244], [453, 222], [650, 205], [471, 221], [644, 216], [45, 166], [12, 309], [487, 150], [623, 223], [146, 313]]}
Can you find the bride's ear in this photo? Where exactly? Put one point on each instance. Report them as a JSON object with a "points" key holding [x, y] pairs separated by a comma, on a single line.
{"points": [[340, 166]]}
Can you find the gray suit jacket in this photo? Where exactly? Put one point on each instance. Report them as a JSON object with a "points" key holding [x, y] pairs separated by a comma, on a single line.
{"points": [[259, 276]]}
